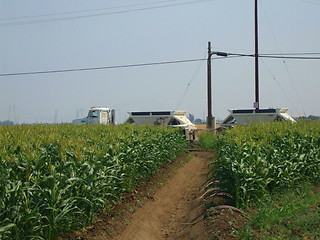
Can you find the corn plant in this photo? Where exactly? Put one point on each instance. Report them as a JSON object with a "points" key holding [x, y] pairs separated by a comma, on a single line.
{"points": [[55, 178], [256, 160]]}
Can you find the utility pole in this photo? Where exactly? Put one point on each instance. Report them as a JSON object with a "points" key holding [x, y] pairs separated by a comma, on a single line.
{"points": [[211, 121], [256, 56], [209, 117]]}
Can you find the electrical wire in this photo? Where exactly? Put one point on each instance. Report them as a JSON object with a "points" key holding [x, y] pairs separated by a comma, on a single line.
{"points": [[289, 57], [101, 14], [281, 88], [188, 85], [100, 68], [288, 54], [283, 61], [85, 11], [230, 55], [294, 86], [273, 56], [311, 1]]}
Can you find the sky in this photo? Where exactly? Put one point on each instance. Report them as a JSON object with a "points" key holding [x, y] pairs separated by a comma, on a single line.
{"points": [[43, 35]]}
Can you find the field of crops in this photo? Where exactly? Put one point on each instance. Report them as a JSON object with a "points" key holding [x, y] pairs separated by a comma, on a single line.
{"points": [[55, 178], [254, 161]]}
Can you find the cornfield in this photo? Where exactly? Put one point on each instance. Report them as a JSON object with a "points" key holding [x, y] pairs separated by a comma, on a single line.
{"points": [[254, 161], [54, 178]]}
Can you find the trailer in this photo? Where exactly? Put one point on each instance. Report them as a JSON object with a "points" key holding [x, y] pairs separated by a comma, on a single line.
{"points": [[249, 116], [166, 119]]}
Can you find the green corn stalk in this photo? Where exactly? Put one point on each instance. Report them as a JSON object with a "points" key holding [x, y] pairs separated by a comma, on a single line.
{"points": [[55, 178], [256, 160]]}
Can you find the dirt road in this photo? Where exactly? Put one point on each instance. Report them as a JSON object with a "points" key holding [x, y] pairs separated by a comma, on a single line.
{"points": [[173, 206], [162, 208]]}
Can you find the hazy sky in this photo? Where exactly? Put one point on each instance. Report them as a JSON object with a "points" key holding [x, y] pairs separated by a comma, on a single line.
{"points": [[45, 35]]}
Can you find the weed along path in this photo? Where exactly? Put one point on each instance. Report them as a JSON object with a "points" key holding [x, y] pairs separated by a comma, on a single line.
{"points": [[162, 208], [166, 215]]}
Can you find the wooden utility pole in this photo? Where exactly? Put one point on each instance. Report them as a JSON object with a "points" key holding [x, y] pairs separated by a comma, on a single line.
{"points": [[209, 117], [256, 56]]}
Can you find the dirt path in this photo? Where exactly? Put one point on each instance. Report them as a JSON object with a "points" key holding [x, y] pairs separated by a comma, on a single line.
{"points": [[172, 206], [162, 208]]}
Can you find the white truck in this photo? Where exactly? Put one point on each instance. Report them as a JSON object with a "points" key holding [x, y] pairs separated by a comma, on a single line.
{"points": [[164, 118], [97, 115]]}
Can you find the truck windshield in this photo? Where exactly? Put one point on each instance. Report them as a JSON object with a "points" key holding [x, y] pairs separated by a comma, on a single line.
{"points": [[93, 114]]}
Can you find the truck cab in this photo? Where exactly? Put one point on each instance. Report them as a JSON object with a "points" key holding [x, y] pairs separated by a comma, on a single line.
{"points": [[97, 115]]}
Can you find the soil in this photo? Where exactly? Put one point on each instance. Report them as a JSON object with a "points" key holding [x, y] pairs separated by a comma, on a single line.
{"points": [[166, 207]]}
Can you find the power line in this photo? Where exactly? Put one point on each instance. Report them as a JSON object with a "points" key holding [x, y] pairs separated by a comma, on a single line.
{"points": [[102, 14], [274, 56], [229, 55], [282, 89], [283, 61], [288, 54], [311, 1], [188, 85], [85, 11], [101, 68], [289, 57]]}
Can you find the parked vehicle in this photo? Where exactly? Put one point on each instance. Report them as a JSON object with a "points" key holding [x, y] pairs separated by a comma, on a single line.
{"points": [[248, 116], [97, 115], [164, 118]]}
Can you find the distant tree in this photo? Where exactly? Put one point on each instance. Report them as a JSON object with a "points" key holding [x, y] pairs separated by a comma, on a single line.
{"points": [[301, 118], [199, 121], [313, 118], [191, 117], [6, 123], [309, 118]]}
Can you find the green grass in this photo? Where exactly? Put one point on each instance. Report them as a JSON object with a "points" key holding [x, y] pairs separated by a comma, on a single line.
{"points": [[293, 214]]}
